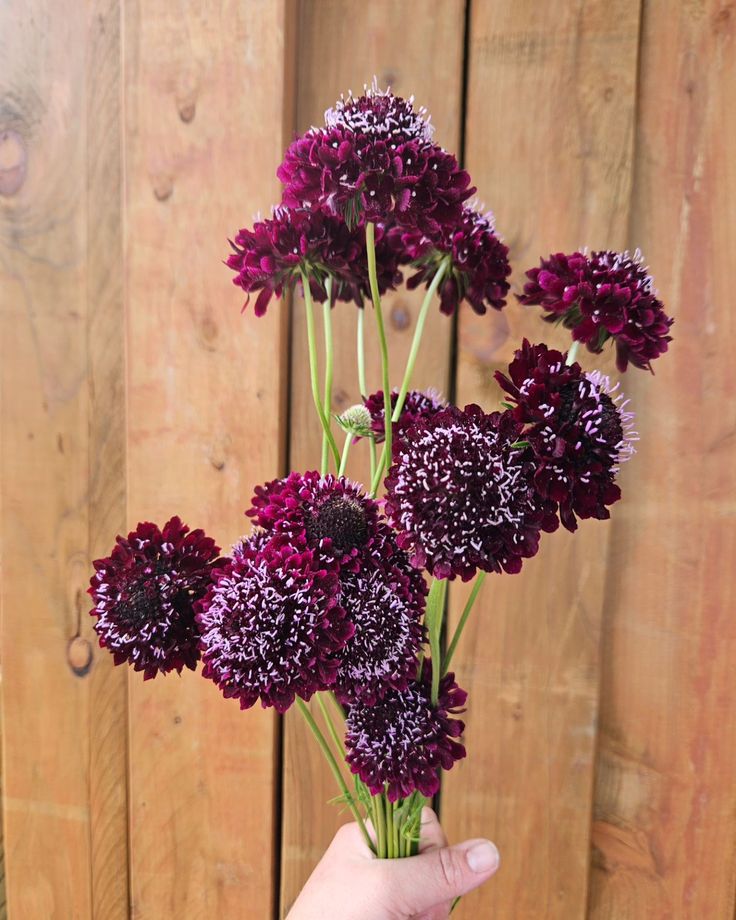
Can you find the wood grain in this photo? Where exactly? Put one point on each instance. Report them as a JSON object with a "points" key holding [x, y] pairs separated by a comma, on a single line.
{"points": [[63, 484], [341, 46], [549, 130], [206, 92], [664, 829]]}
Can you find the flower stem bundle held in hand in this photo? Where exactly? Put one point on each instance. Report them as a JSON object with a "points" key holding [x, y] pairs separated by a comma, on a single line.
{"points": [[332, 594]]}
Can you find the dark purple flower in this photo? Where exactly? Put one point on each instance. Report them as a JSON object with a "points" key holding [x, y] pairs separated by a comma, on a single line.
{"points": [[333, 518], [385, 602], [402, 741], [478, 267], [144, 594], [578, 429], [462, 496], [600, 296], [360, 177], [381, 115], [271, 626], [271, 257], [418, 404]]}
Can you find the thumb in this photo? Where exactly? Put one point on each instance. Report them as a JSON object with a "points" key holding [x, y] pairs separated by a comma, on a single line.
{"points": [[443, 874]]}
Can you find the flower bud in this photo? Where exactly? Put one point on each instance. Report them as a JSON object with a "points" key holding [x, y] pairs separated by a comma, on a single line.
{"points": [[356, 421]]}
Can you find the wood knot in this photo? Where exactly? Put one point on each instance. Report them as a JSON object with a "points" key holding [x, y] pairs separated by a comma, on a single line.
{"points": [[208, 332], [400, 317], [79, 655], [13, 162], [187, 111], [163, 188], [340, 398]]}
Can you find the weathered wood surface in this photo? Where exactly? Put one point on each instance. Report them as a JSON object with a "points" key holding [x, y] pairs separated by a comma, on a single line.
{"points": [[206, 420], [342, 45], [548, 141], [134, 138], [63, 482], [664, 823]]}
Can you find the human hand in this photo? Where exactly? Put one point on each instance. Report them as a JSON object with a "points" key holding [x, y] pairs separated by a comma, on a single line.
{"points": [[349, 883]]}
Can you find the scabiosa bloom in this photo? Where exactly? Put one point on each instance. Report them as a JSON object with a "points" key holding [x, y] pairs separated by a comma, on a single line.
{"points": [[462, 496], [271, 257], [333, 518], [578, 427], [418, 404], [271, 626], [382, 115], [402, 741], [374, 158], [478, 268], [600, 296], [385, 602], [144, 594]]}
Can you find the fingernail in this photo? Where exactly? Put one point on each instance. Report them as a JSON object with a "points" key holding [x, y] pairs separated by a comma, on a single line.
{"points": [[482, 857]]}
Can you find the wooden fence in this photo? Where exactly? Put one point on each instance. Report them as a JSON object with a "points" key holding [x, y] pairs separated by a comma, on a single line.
{"points": [[134, 137]]}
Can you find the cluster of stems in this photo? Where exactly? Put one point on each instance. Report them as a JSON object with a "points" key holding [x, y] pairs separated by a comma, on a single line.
{"points": [[390, 829]]}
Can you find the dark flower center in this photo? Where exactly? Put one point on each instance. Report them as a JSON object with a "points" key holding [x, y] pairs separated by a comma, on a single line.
{"points": [[144, 603], [607, 417], [610, 421], [141, 603], [342, 520], [569, 403]]}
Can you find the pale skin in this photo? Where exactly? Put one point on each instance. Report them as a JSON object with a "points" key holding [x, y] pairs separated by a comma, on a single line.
{"points": [[349, 883]]}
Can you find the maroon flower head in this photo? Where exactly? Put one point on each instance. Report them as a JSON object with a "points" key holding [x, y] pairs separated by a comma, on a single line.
{"points": [[271, 257], [418, 404], [462, 496], [600, 296], [578, 429], [332, 518], [144, 594], [381, 115], [385, 602], [478, 264], [370, 177], [402, 741], [271, 626]]}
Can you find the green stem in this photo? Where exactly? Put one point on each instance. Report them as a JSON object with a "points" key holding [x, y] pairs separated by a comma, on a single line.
{"points": [[418, 333], [329, 364], [433, 619], [379, 824], [336, 739], [463, 620], [313, 373], [412, 359], [370, 240], [333, 765], [388, 812], [362, 386], [361, 352], [345, 451], [572, 352], [337, 704]]}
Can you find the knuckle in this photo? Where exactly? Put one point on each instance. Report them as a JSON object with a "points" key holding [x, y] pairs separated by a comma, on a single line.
{"points": [[451, 870], [344, 835]]}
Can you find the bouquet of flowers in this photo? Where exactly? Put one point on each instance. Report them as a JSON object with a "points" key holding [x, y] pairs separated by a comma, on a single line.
{"points": [[338, 591]]}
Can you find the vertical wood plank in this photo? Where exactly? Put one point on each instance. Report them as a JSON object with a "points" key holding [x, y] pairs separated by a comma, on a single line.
{"points": [[63, 483], [551, 100], [341, 46], [663, 836], [108, 768], [205, 97]]}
